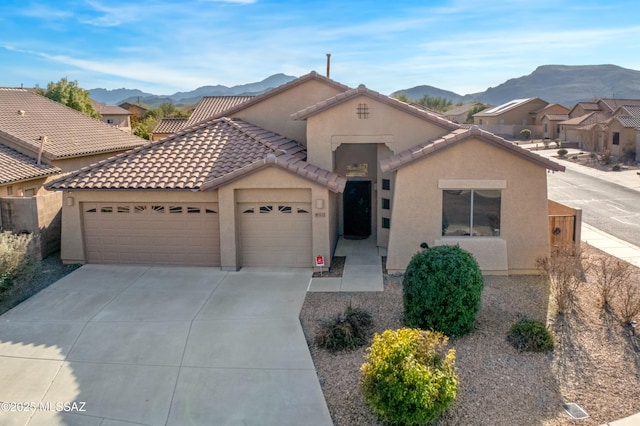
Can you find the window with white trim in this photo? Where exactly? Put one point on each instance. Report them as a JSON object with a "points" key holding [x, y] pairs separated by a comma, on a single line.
{"points": [[471, 212]]}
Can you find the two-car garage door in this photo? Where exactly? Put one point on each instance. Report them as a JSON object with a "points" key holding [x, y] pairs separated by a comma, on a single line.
{"points": [[268, 233], [152, 233]]}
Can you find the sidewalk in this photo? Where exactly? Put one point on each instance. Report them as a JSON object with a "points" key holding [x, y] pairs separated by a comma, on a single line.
{"points": [[627, 178], [599, 239]]}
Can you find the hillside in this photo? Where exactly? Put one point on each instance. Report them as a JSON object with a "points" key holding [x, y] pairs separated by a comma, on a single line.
{"points": [[563, 84], [117, 96]]}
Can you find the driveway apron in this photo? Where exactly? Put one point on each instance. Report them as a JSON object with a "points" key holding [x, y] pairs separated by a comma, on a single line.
{"points": [[115, 345]]}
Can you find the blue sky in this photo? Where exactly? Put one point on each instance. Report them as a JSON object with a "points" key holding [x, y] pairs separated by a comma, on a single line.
{"points": [[166, 46]]}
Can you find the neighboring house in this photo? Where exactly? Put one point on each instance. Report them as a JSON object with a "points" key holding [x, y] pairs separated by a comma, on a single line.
{"points": [[608, 124], [622, 131], [459, 113], [278, 179], [40, 138], [137, 111], [511, 117], [113, 115], [207, 107], [168, 126]]}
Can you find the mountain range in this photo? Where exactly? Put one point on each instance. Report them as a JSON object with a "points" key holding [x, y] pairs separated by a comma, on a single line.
{"points": [[563, 84], [118, 96]]}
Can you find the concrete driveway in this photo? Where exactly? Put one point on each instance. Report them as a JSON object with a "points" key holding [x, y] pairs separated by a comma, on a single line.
{"points": [[115, 345]]}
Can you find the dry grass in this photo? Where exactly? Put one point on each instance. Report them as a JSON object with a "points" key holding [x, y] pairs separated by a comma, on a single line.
{"points": [[596, 362]]}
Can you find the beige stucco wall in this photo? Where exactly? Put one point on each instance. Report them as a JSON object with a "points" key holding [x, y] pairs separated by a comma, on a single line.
{"points": [[417, 204], [268, 185], [327, 130], [274, 113], [627, 139], [72, 245], [519, 115], [76, 163]]}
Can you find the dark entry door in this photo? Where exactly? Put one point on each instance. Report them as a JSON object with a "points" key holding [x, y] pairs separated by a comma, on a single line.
{"points": [[357, 209]]}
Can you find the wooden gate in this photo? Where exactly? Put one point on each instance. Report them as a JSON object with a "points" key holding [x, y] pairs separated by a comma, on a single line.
{"points": [[563, 231]]}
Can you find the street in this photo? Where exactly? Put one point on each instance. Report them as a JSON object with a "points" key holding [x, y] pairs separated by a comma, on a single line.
{"points": [[606, 206]]}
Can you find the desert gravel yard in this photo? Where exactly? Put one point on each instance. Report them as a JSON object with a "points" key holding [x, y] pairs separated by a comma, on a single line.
{"points": [[594, 364]]}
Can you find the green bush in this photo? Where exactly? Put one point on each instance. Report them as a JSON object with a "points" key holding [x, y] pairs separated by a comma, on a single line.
{"points": [[16, 258], [616, 168], [348, 331], [562, 152], [441, 290], [530, 335], [407, 377]]}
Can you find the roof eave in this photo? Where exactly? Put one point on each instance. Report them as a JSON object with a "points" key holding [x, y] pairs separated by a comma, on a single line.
{"points": [[426, 149], [270, 160]]}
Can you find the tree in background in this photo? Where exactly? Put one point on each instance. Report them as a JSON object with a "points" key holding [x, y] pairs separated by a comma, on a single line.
{"points": [[432, 103], [476, 109], [70, 94], [144, 128], [436, 103]]}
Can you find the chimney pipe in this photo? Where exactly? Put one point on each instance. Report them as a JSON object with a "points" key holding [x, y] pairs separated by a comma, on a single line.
{"points": [[43, 140], [328, 65]]}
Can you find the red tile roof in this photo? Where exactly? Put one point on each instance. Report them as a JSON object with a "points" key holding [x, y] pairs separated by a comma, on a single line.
{"points": [[426, 114], [16, 167], [429, 148], [280, 89], [105, 109], [213, 106], [26, 116], [199, 158], [170, 125]]}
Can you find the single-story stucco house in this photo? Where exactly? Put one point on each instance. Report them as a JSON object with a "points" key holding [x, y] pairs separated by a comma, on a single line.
{"points": [[278, 179]]}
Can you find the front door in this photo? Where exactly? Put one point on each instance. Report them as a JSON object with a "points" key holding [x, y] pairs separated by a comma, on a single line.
{"points": [[357, 209]]}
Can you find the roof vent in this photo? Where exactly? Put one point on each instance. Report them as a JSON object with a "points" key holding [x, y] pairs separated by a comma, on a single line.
{"points": [[22, 112]]}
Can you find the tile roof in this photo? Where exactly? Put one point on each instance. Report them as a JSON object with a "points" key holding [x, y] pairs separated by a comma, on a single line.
{"points": [[557, 117], [213, 106], [614, 104], [589, 118], [340, 98], [26, 116], [628, 121], [283, 88], [203, 157], [507, 106], [16, 167], [104, 109], [428, 148], [170, 125]]}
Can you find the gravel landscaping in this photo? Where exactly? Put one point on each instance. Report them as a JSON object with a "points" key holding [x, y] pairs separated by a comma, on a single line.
{"points": [[44, 273], [596, 361]]}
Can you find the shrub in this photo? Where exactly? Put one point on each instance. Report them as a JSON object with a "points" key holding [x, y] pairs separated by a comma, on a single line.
{"points": [[530, 335], [610, 274], [616, 168], [407, 377], [562, 152], [347, 331], [629, 301], [525, 133], [564, 270], [605, 157], [441, 290], [16, 257]]}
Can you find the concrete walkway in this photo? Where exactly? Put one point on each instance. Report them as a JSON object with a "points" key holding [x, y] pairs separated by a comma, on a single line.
{"points": [[161, 346], [362, 268]]}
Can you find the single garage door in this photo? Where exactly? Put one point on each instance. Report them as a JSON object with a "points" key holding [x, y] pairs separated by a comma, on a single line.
{"points": [[275, 234], [152, 233]]}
